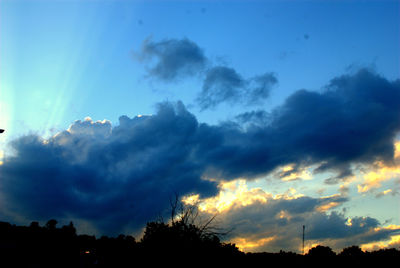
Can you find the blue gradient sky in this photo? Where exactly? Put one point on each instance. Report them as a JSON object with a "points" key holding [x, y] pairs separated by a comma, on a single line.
{"points": [[62, 61]]}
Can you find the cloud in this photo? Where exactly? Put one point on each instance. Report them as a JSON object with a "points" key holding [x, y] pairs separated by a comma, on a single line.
{"points": [[224, 84], [355, 120], [114, 178], [122, 176], [261, 221], [258, 117], [260, 88], [220, 84], [174, 58], [386, 192], [393, 242], [373, 177]]}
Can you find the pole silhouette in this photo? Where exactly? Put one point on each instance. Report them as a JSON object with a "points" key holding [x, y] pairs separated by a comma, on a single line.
{"points": [[304, 227]]}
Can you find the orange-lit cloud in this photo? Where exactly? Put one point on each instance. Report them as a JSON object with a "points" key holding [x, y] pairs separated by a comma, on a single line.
{"points": [[393, 242], [373, 179], [287, 173], [248, 244], [237, 194], [326, 207], [234, 193]]}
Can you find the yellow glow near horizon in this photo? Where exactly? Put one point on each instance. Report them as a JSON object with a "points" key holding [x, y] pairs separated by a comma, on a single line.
{"points": [[246, 244], [394, 240]]}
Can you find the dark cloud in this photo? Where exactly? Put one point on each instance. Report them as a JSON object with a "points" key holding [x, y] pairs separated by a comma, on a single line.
{"points": [[335, 226], [174, 58], [221, 84], [354, 120], [124, 176], [224, 84], [260, 87], [258, 117], [281, 219], [114, 178]]}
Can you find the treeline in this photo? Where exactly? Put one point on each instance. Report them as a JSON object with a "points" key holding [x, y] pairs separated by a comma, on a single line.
{"points": [[178, 243]]}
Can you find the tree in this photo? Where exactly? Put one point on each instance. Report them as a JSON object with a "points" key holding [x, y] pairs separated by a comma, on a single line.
{"points": [[185, 235], [51, 224], [321, 251], [353, 251]]}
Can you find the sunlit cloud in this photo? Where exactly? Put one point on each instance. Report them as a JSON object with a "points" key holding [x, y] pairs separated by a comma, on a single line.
{"points": [[386, 192], [328, 206], [392, 242], [247, 244], [397, 150], [373, 177], [288, 173], [234, 193]]}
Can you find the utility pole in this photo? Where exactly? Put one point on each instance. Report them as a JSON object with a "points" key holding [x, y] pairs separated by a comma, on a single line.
{"points": [[304, 227]]}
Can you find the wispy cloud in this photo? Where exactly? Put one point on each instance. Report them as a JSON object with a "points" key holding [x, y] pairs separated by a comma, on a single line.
{"points": [[172, 59], [224, 84]]}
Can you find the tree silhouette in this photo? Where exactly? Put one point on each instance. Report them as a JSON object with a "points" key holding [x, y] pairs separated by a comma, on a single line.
{"points": [[185, 236], [321, 251], [179, 242], [353, 251], [51, 224]]}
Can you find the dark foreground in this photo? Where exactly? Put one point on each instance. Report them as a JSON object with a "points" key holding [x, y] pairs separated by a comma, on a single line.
{"points": [[178, 244]]}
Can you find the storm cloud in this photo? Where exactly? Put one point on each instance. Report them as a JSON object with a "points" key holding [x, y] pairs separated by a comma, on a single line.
{"points": [[112, 177], [120, 177]]}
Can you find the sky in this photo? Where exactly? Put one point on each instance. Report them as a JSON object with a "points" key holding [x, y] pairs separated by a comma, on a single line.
{"points": [[268, 114]]}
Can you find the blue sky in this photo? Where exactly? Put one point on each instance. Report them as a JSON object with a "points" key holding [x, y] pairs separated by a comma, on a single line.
{"points": [[238, 68]]}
